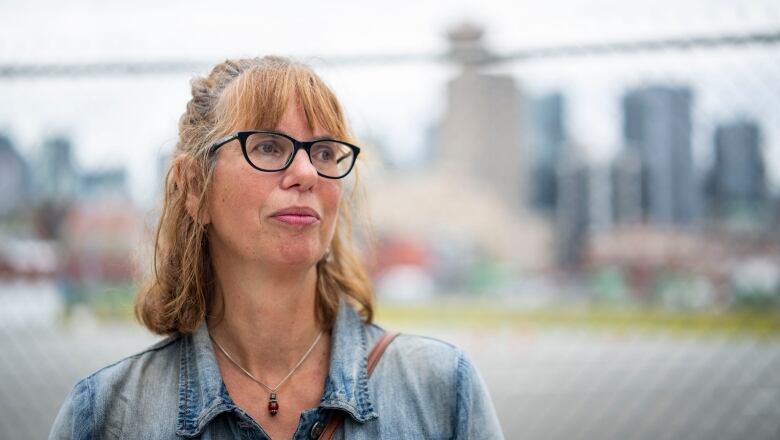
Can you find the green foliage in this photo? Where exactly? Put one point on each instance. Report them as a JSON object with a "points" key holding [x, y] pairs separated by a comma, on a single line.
{"points": [[482, 314], [109, 302]]}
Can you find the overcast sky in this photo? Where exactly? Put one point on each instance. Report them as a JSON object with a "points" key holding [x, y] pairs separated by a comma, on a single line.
{"points": [[115, 120]]}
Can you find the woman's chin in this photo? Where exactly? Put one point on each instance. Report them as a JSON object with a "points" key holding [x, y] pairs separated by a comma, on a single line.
{"points": [[296, 258]]}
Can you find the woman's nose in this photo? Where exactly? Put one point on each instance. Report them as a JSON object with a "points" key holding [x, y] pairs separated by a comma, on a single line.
{"points": [[301, 172]]}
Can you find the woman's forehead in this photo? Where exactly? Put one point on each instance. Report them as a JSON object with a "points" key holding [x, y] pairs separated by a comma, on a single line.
{"points": [[259, 102], [292, 121]]}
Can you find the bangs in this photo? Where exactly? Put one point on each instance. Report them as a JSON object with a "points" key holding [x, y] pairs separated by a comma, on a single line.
{"points": [[257, 99]]}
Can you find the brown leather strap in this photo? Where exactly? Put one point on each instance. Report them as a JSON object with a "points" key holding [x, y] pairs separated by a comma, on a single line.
{"points": [[333, 424], [373, 358], [379, 350]]}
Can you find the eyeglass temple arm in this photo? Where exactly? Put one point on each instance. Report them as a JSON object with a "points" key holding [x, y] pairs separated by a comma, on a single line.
{"points": [[222, 142]]}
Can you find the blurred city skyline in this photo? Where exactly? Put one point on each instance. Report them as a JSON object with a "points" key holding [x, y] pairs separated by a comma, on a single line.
{"points": [[497, 151], [394, 104], [617, 164]]}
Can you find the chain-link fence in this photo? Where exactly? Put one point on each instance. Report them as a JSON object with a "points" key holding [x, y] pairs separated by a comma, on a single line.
{"points": [[598, 225]]}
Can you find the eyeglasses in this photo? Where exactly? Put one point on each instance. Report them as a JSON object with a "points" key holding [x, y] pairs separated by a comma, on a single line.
{"points": [[270, 151]]}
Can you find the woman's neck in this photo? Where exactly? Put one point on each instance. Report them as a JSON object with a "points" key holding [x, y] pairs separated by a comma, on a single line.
{"points": [[265, 321]]}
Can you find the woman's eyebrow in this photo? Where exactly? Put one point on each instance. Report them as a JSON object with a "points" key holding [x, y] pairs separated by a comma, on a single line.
{"points": [[321, 138]]}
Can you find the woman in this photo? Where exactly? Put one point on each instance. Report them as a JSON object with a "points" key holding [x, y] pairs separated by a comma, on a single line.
{"points": [[267, 308]]}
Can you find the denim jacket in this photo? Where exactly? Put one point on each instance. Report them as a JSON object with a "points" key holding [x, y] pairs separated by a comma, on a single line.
{"points": [[422, 388]]}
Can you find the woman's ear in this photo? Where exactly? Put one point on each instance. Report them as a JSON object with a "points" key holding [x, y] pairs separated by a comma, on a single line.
{"points": [[187, 181]]}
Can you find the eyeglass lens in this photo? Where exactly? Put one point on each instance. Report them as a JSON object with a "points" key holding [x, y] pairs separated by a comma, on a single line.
{"points": [[271, 152]]}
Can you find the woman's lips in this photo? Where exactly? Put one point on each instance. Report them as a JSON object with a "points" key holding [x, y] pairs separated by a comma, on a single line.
{"points": [[297, 220], [297, 216]]}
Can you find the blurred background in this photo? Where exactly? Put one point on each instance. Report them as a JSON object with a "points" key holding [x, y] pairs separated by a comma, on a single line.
{"points": [[584, 195]]}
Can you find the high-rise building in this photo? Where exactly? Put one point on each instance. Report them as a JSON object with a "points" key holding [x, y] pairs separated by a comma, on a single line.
{"points": [[572, 213], [14, 177], [737, 181], [657, 123], [481, 131], [478, 168], [627, 187], [56, 175], [547, 139], [600, 210], [104, 184]]}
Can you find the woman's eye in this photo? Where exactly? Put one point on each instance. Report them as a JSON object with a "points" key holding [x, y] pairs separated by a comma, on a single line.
{"points": [[323, 154], [266, 148]]}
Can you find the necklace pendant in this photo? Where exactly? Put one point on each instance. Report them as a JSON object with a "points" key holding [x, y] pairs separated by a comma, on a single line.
{"points": [[273, 405]]}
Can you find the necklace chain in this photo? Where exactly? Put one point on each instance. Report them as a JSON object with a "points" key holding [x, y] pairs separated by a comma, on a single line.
{"points": [[272, 390]]}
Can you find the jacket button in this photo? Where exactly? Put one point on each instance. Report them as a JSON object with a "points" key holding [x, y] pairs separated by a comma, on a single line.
{"points": [[317, 429]]}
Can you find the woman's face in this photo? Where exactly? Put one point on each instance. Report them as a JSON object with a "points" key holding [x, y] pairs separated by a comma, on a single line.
{"points": [[276, 219]]}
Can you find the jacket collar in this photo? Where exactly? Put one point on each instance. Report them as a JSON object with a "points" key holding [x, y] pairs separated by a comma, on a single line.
{"points": [[346, 387], [202, 393], [203, 396]]}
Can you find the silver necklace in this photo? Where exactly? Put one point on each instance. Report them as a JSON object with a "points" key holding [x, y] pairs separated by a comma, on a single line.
{"points": [[273, 404]]}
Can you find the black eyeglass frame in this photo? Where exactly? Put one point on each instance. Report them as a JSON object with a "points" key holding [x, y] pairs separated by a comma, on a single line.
{"points": [[242, 136]]}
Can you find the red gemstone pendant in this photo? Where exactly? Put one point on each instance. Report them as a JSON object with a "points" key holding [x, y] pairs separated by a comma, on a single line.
{"points": [[273, 405]]}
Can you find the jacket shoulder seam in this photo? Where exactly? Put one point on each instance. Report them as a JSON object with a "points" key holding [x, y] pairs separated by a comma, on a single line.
{"points": [[457, 350]]}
